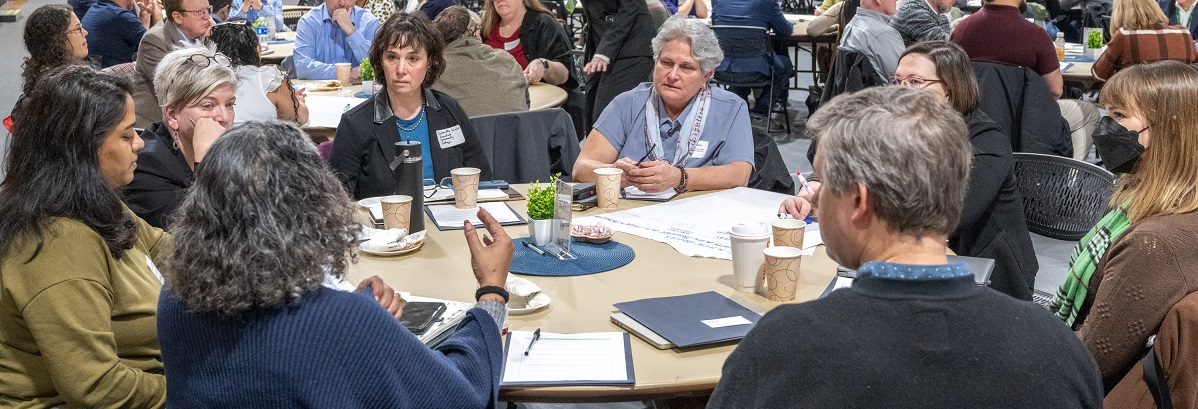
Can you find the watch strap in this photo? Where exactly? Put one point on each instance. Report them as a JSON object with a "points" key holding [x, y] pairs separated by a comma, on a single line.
{"points": [[491, 289]]}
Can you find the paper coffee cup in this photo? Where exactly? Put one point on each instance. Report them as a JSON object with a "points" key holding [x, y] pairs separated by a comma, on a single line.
{"points": [[748, 243], [343, 70], [465, 187], [782, 272], [397, 211], [789, 232], [607, 186]]}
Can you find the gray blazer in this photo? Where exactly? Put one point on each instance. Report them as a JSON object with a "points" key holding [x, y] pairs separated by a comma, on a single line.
{"points": [[155, 44]]}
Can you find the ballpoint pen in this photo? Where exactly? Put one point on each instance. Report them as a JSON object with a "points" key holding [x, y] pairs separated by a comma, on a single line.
{"points": [[535, 336], [534, 248], [650, 152]]}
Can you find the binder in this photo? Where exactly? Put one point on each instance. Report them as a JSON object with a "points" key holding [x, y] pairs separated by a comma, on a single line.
{"points": [[694, 319]]}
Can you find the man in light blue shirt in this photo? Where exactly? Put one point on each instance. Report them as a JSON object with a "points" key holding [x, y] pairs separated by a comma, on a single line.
{"points": [[336, 31], [250, 9]]}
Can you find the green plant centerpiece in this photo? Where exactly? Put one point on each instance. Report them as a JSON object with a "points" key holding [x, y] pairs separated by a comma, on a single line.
{"points": [[1094, 39], [540, 211], [367, 70]]}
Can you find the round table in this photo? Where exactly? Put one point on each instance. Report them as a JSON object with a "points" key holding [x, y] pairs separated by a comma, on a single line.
{"points": [[441, 269]]}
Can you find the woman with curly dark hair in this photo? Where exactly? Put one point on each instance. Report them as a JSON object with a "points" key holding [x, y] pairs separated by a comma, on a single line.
{"points": [[263, 92], [406, 56], [76, 266], [54, 37], [244, 311]]}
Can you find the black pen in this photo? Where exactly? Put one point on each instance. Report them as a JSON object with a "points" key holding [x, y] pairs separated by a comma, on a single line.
{"points": [[650, 152], [535, 336], [534, 248]]}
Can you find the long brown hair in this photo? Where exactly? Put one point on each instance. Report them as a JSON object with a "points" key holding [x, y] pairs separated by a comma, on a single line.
{"points": [[1137, 15], [953, 67], [491, 18], [1165, 181]]}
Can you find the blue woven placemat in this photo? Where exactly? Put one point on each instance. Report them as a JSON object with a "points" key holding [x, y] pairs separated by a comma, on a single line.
{"points": [[1078, 58], [273, 42], [592, 258]]}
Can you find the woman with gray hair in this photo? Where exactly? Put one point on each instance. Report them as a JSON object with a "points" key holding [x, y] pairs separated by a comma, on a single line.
{"points": [[197, 90], [686, 134], [244, 320]]}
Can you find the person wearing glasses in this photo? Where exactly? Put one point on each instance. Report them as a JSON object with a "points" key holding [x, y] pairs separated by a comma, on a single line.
{"points": [[483, 79], [116, 28], [198, 90], [77, 268], [186, 25], [263, 92], [687, 134], [407, 59], [54, 38], [337, 31]]}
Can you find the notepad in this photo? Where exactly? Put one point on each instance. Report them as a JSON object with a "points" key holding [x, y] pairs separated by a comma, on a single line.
{"points": [[594, 358], [448, 217], [632, 193]]}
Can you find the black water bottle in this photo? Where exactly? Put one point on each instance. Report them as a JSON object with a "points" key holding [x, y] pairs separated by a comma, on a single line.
{"points": [[408, 170]]}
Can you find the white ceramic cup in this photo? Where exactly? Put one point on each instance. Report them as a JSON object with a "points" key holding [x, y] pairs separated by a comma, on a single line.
{"points": [[748, 243]]}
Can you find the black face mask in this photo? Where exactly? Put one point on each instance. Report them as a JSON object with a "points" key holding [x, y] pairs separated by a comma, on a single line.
{"points": [[1119, 147]]}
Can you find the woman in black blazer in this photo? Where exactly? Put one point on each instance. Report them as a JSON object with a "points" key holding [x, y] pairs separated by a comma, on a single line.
{"points": [[404, 109]]}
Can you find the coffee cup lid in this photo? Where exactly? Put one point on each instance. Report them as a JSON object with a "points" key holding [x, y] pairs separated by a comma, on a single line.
{"points": [[750, 229]]}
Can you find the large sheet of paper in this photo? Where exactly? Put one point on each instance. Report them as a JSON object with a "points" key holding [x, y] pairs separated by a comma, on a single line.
{"points": [[325, 111], [699, 225], [568, 359]]}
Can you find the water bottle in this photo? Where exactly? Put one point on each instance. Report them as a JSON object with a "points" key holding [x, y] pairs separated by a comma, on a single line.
{"points": [[1060, 45], [408, 170], [270, 23], [261, 30]]}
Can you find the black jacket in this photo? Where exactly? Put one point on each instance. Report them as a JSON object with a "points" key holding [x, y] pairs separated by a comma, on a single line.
{"points": [[1018, 100], [366, 137], [992, 223], [851, 72], [618, 29], [542, 37], [161, 179]]}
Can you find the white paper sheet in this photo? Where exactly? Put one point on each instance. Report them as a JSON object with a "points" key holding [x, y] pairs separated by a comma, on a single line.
{"points": [[452, 217], [632, 192], [565, 358], [699, 225], [325, 111]]}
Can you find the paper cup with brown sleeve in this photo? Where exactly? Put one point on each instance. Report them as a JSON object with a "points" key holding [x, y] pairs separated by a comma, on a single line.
{"points": [[397, 211], [607, 186], [782, 272], [465, 187], [789, 232]]}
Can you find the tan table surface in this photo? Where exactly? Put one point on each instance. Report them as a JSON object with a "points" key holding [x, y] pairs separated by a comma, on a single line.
{"points": [[545, 96], [1079, 72], [441, 269], [277, 52]]}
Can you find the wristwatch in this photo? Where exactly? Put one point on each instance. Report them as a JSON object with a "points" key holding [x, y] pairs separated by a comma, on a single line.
{"points": [[544, 63], [682, 180]]}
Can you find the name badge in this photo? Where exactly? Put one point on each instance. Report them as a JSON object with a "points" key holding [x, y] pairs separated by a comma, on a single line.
{"points": [[700, 150], [508, 46], [154, 268], [450, 137]]}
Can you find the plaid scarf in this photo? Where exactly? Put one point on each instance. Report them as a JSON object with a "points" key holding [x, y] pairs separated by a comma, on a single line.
{"points": [[1082, 263]]}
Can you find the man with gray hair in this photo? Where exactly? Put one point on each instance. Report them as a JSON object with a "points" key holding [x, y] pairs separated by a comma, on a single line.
{"points": [[913, 330], [687, 134]]}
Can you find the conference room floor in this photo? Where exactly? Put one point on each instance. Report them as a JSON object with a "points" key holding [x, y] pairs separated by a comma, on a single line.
{"points": [[1053, 254]]}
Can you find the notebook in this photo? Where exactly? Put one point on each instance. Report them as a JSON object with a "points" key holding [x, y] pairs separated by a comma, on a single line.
{"points": [[694, 319]]}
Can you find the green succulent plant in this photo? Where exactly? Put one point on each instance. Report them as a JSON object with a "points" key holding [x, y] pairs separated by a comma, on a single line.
{"points": [[540, 199]]}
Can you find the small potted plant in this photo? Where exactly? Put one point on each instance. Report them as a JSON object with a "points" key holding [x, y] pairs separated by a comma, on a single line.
{"points": [[367, 77], [540, 211], [1093, 43]]}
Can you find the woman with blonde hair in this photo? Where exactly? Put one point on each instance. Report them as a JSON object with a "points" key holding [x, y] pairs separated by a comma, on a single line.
{"points": [[1139, 34], [1138, 260]]}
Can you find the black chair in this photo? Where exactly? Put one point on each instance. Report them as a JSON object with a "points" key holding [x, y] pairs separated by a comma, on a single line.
{"points": [[750, 42], [769, 169], [1062, 198], [527, 146]]}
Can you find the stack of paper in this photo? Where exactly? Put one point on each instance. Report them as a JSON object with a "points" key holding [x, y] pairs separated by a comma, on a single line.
{"points": [[597, 358]]}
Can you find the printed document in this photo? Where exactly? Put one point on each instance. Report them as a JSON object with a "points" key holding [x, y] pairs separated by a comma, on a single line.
{"points": [[568, 359]]}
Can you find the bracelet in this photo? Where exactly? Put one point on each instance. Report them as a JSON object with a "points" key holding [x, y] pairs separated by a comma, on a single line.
{"points": [[682, 180], [490, 289]]}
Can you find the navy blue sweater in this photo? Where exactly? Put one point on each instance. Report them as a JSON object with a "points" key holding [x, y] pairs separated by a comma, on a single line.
{"points": [[333, 349]]}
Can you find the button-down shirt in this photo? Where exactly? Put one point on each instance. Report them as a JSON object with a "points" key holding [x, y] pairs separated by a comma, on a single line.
{"points": [[113, 33], [320, 42], [1183, 15], [273, 7], [897, 271], [870, 33]]}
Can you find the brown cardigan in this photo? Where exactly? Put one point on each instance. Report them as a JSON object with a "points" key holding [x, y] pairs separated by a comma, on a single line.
{"points": [[1128, 47], [1147, 270]]}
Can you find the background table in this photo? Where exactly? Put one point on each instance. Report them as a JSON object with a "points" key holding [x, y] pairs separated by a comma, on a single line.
{"points": [[441, 269], [277, 52]]}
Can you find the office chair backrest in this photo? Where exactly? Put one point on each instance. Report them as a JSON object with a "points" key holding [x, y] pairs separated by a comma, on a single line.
{"points": [[1062, 198]]}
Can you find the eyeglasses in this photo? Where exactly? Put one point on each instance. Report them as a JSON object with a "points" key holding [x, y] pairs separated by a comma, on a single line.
{"points": [[431, 186], [207, 10], [203, 61], [913, 82], [76, 30]]}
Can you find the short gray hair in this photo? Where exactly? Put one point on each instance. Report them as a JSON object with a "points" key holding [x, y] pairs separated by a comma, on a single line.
{"points": [[179, 83], [704, 46], [910, 151]]}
